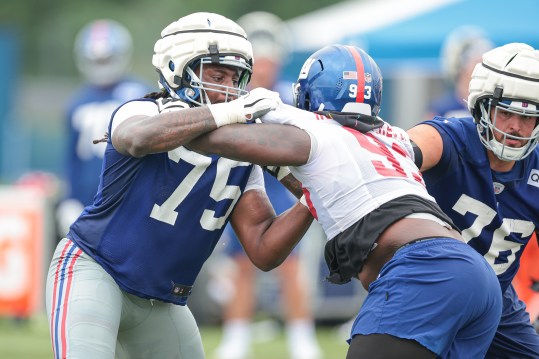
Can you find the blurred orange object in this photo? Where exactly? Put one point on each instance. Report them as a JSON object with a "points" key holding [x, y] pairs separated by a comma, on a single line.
{"points": [[22, 248], [526, 282]]}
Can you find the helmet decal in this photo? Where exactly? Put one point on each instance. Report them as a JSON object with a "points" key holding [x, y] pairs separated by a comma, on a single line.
{"points": [[359, 70]]}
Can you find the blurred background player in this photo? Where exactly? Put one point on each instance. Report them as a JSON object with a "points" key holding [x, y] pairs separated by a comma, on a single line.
{"points": [[271, 44], [461, 51], [102, 53]]}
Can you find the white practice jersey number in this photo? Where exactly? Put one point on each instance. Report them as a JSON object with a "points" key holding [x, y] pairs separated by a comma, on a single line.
{"points": [[91, 121], [501, 250], [220, 190]]}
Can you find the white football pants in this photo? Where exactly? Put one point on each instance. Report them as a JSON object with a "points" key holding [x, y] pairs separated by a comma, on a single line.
{"points": [[90, 317]]}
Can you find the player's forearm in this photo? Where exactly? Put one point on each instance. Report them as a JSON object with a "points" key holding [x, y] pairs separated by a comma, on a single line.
{"points": [[281, 237], [262, 144], [293, 185], [140, 135], [143, 135]]}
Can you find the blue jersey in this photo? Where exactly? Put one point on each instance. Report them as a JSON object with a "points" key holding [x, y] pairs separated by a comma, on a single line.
{"points": [[88, 116], [281, 200], [156, 219], [497, 212]]}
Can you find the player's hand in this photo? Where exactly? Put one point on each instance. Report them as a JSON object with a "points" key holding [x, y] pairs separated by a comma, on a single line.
{"points": [[247, 108], [259, 102], [287, 115]]}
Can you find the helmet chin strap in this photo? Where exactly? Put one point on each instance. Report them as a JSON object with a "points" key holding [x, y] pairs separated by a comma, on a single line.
{"points": [[164, 85], [188, 93], [197, 92]]}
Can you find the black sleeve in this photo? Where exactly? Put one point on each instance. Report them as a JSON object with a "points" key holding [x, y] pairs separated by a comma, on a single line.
{"points": [[418, 155]]}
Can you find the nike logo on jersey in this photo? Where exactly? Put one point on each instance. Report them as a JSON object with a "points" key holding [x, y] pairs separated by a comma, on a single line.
{"points": [[534, 178]]}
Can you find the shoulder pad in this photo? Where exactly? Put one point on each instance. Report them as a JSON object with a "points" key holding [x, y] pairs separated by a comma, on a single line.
{"points": [[169, 104]]}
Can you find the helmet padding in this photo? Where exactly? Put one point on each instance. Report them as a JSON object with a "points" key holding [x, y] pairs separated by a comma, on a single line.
{"points": [[506, 79], [198, 39]]}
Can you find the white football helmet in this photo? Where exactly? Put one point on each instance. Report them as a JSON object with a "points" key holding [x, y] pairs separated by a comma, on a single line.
{"points": [[198, 39], [268, 34], [102, 51], [462, 46], [507, 79]]}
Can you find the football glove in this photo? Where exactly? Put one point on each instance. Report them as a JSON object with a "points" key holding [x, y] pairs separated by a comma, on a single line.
{"points": [[247, 108]]}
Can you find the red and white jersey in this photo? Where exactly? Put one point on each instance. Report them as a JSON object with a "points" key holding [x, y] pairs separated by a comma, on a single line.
{"points": [[349, 173]]}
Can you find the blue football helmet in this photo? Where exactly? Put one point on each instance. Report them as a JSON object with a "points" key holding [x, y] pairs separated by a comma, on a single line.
{"points": [[102, 51], [339, 78]]}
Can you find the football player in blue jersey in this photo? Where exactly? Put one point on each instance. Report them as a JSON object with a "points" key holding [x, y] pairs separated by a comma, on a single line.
{"points": [[484, 173], [102, 53], [430, 295], [118, 283]]}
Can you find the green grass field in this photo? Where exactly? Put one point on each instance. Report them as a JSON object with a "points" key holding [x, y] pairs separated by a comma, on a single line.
{"points": [[31, 340]]}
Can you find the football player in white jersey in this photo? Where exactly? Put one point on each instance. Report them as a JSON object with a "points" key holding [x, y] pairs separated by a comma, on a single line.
{"points": [[118, 283], [483, 171], [429, 294]]}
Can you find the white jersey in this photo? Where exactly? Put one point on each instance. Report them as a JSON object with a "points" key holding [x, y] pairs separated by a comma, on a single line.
{"points": [[349, 173]]}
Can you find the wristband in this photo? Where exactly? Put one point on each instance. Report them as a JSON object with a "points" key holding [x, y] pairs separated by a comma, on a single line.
{"points": [[303, 201]]}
